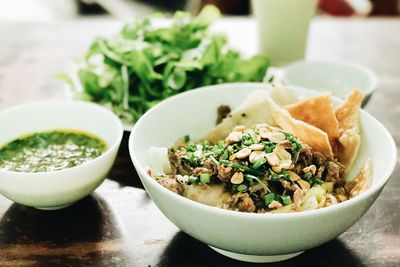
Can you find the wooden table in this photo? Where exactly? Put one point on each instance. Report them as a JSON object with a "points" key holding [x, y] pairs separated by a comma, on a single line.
{"points": [[118, 224]]}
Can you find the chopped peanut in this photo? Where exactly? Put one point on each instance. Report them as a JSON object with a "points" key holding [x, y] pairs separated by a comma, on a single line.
{"points": [[257, 147], [274, 205], [256, 156], [243, 153], [237, 178]]}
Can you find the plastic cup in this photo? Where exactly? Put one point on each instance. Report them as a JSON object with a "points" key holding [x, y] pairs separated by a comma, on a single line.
{"points": [[283, 28]]}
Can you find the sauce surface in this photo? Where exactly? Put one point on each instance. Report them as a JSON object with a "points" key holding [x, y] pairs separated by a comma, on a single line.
{"points": [[50, 151]]}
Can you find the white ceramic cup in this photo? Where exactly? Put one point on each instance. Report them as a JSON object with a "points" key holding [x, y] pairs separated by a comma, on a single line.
{"points": [[283, 28]]}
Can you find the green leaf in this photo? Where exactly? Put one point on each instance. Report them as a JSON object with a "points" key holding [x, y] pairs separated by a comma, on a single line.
{"points": [[177, 79], [208, 15], [89, 82], [269, 198], [64, 78], [144, 64], [252, 69]]}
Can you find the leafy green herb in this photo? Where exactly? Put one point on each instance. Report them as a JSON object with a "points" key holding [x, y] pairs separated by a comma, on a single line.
{"points": [[143, 64]]}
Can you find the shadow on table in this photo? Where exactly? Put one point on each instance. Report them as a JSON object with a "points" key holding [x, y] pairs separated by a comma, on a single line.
{"points": [[88, 220], [184, 250], [123, 170]]}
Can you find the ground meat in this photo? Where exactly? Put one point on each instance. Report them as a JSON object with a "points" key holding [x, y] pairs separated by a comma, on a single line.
{"points": [[199, 170], [334, 172], [304, 160], [211, 166], [242, 202], [177, 164], [223, 112], [224, 173], [327, 170], [171, 184]]}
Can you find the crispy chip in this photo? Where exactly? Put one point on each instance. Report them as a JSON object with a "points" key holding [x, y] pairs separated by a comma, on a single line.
{"points": [[308, 134], [362, 182], [348, 117], [317, 111]]}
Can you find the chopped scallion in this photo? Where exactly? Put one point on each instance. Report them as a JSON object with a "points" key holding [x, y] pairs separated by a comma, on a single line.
{"points": [[186, 138], [259, 163], [205, 178], [286, 200], [269, 198], [252, 178], [242, 188], [308, 175], [193, 179]]}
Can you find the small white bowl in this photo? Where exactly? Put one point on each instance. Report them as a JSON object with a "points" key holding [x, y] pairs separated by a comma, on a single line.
{"points": [[339, 78], [249, 236], [58, 189]]}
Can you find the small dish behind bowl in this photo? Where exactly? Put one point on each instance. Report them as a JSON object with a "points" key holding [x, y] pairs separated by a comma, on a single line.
{"points": [[58, 189], [336, 77], [249, 236]]}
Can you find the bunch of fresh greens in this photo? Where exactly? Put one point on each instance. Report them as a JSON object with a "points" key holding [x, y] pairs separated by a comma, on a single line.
{"points": [[144, 64]]}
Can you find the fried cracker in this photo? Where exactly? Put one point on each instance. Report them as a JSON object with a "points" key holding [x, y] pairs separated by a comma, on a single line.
{"points": [[308, 134], [317, 111], [348, 116]]}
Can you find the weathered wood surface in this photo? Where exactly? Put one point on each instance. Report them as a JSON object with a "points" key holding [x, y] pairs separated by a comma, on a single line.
{"points": [[119, 225]]}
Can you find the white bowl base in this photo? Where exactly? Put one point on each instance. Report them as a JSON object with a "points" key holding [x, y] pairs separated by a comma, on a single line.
{"points": [[256, 258], [55, 207]]}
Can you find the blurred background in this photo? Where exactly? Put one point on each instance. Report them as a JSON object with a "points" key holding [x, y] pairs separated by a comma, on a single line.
{"points": [[55, 10]]}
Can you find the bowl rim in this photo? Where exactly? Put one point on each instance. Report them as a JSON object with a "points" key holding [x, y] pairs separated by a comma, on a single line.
{"points": [[75, 104], [361, 68], [215, 210]]}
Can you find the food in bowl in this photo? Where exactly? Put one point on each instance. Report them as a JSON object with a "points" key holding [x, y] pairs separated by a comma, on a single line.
{"points": [[249, 236], [74, 143], [50, 151], [294, 160]]}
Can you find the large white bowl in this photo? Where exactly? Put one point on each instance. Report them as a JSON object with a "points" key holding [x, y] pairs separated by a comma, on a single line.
{"points": [[246, 236], [58, 189]]}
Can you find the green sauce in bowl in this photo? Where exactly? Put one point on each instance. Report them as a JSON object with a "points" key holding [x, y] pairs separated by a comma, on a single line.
{"points": [[50, 151]]}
